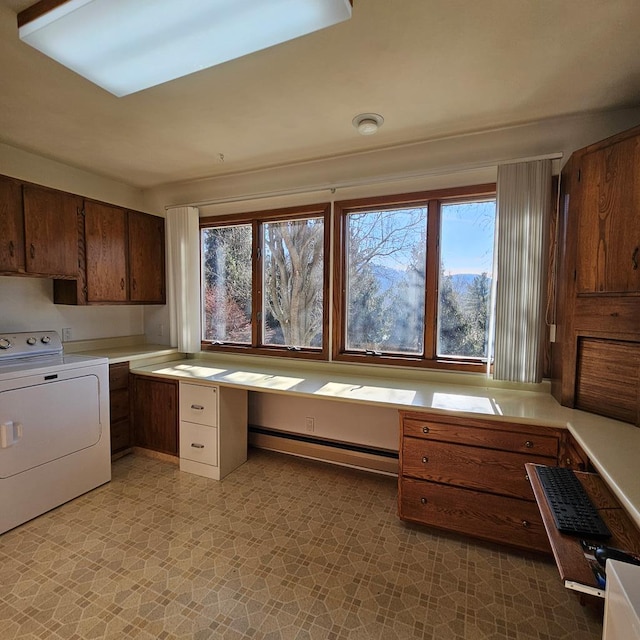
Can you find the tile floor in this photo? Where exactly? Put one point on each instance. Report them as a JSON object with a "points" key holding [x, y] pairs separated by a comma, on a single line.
{"points": [[282, 548]]}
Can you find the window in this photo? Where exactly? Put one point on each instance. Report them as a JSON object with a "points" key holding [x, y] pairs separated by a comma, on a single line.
{"points": [[413, 274], [265, 282]]}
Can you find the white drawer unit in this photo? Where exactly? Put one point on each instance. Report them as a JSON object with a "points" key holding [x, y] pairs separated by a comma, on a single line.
{"points": [[213, 429]]}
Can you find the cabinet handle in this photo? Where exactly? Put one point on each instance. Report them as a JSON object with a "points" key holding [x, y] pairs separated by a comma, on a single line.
{"points": [[197, 407], [634, 258], [423, 500], [134, 284], [122, 283], [528, 444], [526, 524], [32, 251], [197, 445], [425, 429], [425, 459], [12, 249]]}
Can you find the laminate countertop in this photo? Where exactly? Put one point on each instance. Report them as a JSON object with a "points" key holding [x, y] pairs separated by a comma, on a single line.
{"points": [[612, 446]]}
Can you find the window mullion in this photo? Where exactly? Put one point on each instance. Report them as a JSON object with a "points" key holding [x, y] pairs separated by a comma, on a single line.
{"points": [[257, 284], [431, 279]]}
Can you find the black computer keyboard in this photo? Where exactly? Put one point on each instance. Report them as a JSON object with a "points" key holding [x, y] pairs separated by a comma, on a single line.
{"points": [[572, 510]]}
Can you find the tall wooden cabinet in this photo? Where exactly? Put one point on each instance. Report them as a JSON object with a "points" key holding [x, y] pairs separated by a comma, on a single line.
{"points": [[596, 359], [146, 258]]}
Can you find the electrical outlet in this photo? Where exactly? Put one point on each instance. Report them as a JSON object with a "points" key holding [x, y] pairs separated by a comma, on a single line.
{"points": [[66, 334], [310, 423], [161, 330]]}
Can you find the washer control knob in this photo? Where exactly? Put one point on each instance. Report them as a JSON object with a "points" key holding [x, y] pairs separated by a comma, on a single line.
{"points": [[45, 340], [4, 343], [31, 340]]}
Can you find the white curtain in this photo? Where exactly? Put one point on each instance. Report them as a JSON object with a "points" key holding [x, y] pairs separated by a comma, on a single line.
{"points": [[183, 240], [523, 197]]}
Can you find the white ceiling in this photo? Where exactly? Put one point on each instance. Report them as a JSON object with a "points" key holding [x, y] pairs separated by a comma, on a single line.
{"points": [[432, 68]]}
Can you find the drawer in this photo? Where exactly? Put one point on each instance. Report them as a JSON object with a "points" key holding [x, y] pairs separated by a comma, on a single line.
{"points": [[119, 404], [471, 467], [199, 403], [497, 518], [199, 443], [515, 438], [120, 436], [119, 376]]}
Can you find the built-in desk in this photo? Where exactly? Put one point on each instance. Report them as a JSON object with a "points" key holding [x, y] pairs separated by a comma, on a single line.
{"points": [[612, 446]]}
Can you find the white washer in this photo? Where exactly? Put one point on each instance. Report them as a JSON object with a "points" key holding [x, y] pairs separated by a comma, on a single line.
{"points": [[54, 425]]}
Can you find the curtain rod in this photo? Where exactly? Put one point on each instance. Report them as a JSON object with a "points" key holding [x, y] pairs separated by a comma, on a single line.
{"points": [[334, 186]]}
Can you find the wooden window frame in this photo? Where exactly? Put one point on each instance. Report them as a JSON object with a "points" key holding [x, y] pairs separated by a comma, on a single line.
{"points": [[432, 200], [257, 220]]}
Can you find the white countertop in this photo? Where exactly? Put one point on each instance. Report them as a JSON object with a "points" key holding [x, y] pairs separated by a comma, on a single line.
{"points": [[612, 446]]}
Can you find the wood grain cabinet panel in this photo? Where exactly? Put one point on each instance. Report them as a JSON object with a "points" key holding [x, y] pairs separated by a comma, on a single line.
{"points": [[12, 225], [51, 232], [608, 258], [154, 405], [468, 475], [146, 258], [106, 252]]}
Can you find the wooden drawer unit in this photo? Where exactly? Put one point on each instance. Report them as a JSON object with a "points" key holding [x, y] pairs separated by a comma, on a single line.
{"points": [[538, 441], [500, 472], [119, 407], [482, 515], [467, 475]]}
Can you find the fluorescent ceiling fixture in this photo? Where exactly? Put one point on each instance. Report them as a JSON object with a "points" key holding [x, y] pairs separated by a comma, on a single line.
{"points": [[125, 46]]}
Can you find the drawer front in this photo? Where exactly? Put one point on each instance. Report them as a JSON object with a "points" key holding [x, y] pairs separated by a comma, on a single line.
{"points": [[199, 404], [119, 376], [522, 441], [199, 443], [471, 467], [120, 436], [489, 517], [119, 404]]}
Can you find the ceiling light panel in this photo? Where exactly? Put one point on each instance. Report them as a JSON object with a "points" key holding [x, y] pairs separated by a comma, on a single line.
{"points": [[125, 46]]}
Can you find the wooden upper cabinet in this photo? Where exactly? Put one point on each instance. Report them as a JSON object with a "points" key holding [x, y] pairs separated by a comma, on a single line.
{"points": [[146, 258], [106, 252], [11, 223], [51, 232], [608, 250]]}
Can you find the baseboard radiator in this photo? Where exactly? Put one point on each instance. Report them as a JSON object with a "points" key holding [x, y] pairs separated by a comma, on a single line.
{"points": [[336, 452]]}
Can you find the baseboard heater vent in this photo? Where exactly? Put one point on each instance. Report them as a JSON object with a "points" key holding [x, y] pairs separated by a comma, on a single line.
{"points": [[343, 453]]}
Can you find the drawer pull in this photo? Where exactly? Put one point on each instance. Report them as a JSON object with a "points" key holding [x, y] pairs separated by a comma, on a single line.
{"points": [[197, 445], [425, 459], [423, 500], [528, 444], [425, 429], [197, 407], [526, 524]]}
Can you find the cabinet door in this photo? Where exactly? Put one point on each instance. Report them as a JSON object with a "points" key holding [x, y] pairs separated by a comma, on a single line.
{"points": [[51, 232], [608, 259], [146, 258], [106, 251], [11, 223], [155, 414]]}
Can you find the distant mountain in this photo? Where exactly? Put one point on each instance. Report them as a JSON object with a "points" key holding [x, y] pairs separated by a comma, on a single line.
{"points": [[387, 277]]}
